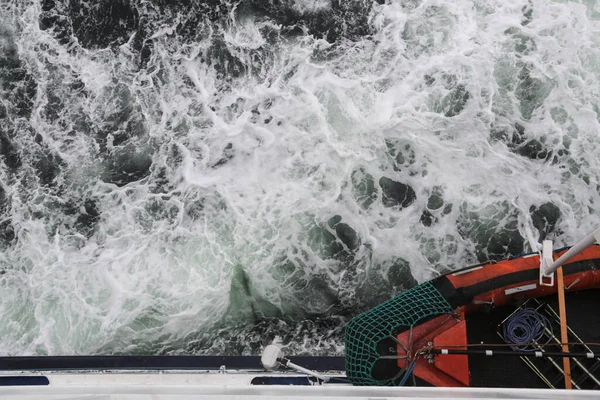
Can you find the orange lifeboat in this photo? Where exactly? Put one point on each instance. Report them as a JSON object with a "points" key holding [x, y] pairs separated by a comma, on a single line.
{"points": [[460, 310]]}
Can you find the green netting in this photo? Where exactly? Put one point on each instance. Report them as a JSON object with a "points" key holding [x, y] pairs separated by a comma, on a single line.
{"points": [[367, 329]]}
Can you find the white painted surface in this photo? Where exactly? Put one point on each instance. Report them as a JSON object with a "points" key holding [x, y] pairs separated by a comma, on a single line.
{"points": [[518, 289], [232, 385]]}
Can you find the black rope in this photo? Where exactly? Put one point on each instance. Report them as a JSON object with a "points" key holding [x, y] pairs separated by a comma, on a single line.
{"points": [[488, 352]]}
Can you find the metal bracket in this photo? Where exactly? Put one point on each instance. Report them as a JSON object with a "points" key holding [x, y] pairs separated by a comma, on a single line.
{"points": [[546, 260]]}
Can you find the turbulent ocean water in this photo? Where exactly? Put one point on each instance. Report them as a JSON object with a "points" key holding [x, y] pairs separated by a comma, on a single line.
{"points": [[206, 177]]}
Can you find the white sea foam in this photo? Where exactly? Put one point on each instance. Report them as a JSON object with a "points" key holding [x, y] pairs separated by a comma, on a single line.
{"points": [[248, 169]]}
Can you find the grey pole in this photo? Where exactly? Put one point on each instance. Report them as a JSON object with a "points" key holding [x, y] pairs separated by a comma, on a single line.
{"points": [[573, 251]]}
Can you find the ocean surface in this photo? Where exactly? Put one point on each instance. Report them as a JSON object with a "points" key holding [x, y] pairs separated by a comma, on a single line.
{"points": [[207, 177]]}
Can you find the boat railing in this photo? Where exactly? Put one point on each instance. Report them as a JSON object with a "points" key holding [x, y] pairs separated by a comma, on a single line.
{"points": [[548, 265]]}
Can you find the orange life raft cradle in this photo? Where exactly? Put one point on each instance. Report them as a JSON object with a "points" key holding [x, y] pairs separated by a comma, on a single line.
{"points": [[492, 284], [468, 290]]}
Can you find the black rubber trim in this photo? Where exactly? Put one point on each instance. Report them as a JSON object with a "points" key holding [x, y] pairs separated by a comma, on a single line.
{"points": [[284, 380], [294, 380], [449, 292], [24, 381], [461, 296], [48, 363]]}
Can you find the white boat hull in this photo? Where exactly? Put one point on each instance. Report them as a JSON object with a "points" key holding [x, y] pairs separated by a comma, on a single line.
{"points": [[199, 385]]}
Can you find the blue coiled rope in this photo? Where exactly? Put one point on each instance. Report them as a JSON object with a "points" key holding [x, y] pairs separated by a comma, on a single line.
{"points": [[526, 328]]}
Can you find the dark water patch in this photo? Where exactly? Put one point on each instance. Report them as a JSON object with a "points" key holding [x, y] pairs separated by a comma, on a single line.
{"points": [[10, 153], [527, 13], [493, 230], [545, 218], [159, 181], [54, 106], [435, 207], [77, 85], [7, 233], [158, 208], [347, 235], [403, 155], [455, 95], [225, 64], [103, 23], [518, 141], [54, 18], [255, 114], [428, 33], [533, 149], [305, 291], [127, 164], [308, 320], [201, 205], [455, 101], [436, 199], [48, 167], [233, 111], [396, 193], [82, 215], [4, 206], [17, 84], [312, 336], [336, 240], [523, 43], [438, 248], [375, 283], [302, 294], [306, 332], [322, 329], [142, 42], [273, 34], [429, 80], [193, 21], [228, 153], [322, 241], [399, 275], [194, 209], [532, 90], [89, 215], [344, 20], [511, 135], [146, 53], [195, 15], [244, 301], [427, 218], [124, 121], [174, 157], [330, 289]]}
